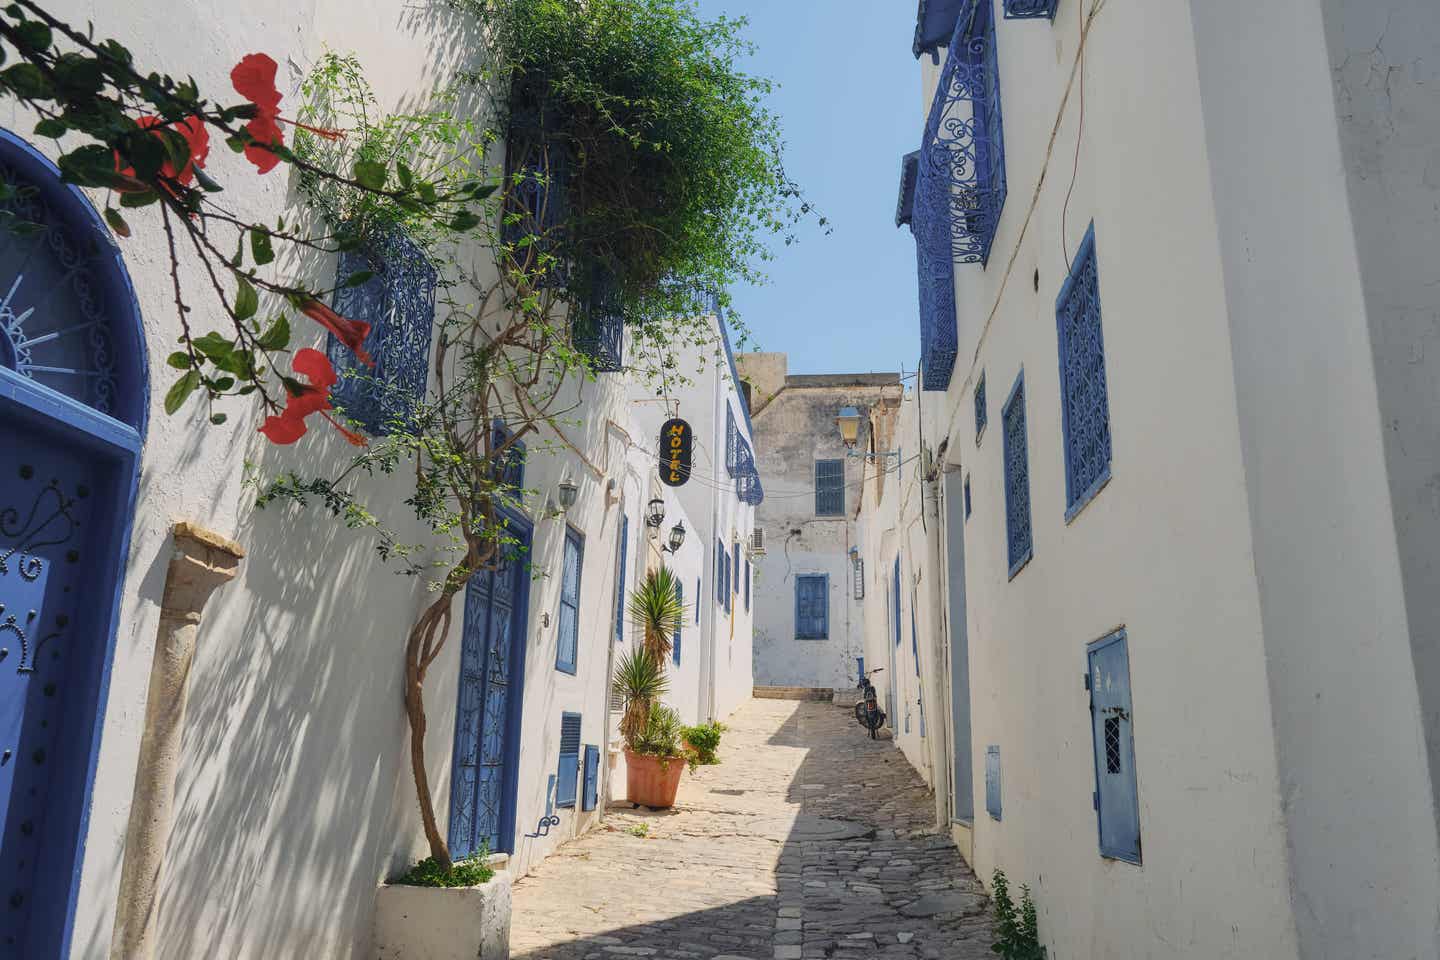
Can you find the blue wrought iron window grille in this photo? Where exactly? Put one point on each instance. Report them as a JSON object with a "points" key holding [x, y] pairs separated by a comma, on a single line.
{"points": [[1084, 396], [398, 302], [960, 183], [747, 477], [982, 415], [1018, 537], [536, 179], [598, 328], [1030, 9], [732, 442]]}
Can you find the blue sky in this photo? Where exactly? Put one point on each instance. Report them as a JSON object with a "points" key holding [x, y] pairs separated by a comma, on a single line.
{"points": [[849, 101]]}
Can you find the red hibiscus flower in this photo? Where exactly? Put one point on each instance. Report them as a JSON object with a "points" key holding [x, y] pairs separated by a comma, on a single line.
{"points": [[194, 132], [290, 425], [352, 333], [254, 79]]}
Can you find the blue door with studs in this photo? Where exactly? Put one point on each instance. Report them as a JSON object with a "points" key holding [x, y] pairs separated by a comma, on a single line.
{"points": [[72, 412], [487, 720]]}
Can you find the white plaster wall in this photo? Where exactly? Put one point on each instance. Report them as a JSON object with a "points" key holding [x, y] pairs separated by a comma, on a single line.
{"points": [[1165, 549], [294, 797]]}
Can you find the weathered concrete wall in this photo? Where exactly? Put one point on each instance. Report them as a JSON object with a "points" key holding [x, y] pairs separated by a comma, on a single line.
{"points": [[765, 372], [794, 430]]}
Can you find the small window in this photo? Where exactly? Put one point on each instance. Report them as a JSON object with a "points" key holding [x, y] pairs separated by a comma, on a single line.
{"points": [[982, 416], [748, 576], [568, 638], [1019, 545], [1117, 802], [830, 488], [992, 781], [590, 795], [620, 579], [812, 607], [1084, 396], [679, 624], [568, 772]]}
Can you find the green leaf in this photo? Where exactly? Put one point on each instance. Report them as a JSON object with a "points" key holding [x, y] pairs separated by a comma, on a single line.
{"points": [[206, 183], [117, 222], [276, 336], [238, 141], [427, 193], [371, 174], [180, 360], [88, 166], [482, 190], [51, 127], [407, 179], [177, 148], [464, 220], [247, 301], [180, 391], [217, 418], [141, 199], [32, 35], [358, 277], [214, 346], [260, 247], [224, 383], [239, 257]]}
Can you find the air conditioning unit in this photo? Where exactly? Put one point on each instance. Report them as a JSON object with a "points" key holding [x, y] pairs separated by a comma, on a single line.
{"points": [[757, 542]]}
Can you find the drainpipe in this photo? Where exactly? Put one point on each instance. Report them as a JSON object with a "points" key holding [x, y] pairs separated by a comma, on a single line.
{"points": [[202, 562]]}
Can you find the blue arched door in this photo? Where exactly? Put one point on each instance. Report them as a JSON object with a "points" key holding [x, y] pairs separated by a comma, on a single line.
{"points": [[72, 412]]}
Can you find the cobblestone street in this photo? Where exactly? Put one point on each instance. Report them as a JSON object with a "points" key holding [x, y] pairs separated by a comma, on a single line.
{"points": [[808, 840]]}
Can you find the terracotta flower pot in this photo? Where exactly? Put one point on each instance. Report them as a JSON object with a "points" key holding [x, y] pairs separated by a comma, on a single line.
{"points": [[651, 781]]}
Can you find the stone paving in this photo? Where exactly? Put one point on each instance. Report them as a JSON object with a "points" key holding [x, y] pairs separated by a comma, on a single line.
{"points": [[808, 840]]}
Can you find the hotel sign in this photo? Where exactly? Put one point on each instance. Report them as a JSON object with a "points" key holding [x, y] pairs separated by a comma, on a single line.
{"points": [[676, 446]]}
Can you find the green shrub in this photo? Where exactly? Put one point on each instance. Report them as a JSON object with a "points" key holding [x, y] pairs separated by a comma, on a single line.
{"points": [[465, 873], [661, 735], [704, 740], [1017, 932]]}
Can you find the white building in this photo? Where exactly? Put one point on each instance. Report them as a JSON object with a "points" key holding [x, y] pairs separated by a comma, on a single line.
{"points": [[1180, 424], [293, 796], [810, 586]]}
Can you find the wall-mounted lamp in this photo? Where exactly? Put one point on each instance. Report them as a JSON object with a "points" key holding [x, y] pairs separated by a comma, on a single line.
{"points": [[848, 420], [567, 491], [655, 515], [677, 538]]}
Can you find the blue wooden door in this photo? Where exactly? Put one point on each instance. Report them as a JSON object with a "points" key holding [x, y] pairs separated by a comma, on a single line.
{"points": [[487, 723], [72, 410], [1116, 798]]}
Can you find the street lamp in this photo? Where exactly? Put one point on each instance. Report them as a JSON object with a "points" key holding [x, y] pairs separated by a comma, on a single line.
{"points": [[655, 515], [677, 538], [848, 420], [567, 491]]}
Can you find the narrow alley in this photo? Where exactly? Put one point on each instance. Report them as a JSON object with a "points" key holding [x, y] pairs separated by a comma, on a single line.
{"points": [[785, 850]]}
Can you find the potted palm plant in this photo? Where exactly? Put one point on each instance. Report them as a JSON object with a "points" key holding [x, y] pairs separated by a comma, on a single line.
{"points": [[658, 611], [654, 758]]}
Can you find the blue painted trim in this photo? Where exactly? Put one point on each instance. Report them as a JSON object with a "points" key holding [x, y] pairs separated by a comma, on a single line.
{"points": [[734, 373], [567, 784], [895, 592], [808, 583], [1076, 504], [982, 413], [118, 440], [1024, 559]]}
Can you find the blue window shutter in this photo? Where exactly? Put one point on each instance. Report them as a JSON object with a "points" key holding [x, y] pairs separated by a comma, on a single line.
{"points": [[1117, 801], [812, 606], [992, 781], [914, 641], [568, 632], [830, 488], [735, 565], [675, 645], [748, 577], [398, 302], [568, 771], [1084, 396], [967, 496], [719, 572], [1019, 546], [620, 584], [590, 797]]}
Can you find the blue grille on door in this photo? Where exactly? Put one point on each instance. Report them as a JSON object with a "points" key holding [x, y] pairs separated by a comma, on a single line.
{"points": [[1117, 802], [492, 673]]}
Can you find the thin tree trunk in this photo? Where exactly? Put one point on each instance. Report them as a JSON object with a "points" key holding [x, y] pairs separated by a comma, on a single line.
{"points": [[416, 665]]}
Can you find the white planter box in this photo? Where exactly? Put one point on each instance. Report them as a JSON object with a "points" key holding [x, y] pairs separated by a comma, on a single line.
{"points": [[444, 923]]}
